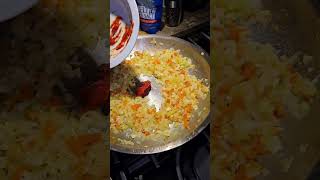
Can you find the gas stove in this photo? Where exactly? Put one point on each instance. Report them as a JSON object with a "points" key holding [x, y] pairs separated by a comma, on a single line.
{"points": [[187, 162]]}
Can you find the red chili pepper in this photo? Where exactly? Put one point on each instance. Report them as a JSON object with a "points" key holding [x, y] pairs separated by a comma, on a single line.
{"points": [[144, 89]]}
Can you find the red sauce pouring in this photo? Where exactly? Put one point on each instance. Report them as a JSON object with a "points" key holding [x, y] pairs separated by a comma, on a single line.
{"points": [[114, 29], [119, 33], [125, 37]]}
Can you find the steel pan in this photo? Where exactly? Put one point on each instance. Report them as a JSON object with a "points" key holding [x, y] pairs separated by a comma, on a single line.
{"points": [[198, 121], [299, 24]]}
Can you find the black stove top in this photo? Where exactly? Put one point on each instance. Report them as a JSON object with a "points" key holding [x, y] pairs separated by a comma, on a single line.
{"points": [[187, 162], [199, 36]]}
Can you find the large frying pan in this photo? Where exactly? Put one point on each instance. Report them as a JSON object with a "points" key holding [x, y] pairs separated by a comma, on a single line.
{"points": [[197, 123], [301, 23], [300, 27]]}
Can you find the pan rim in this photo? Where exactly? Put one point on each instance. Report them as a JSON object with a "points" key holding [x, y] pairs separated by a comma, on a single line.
{"points": [[180, 141]]}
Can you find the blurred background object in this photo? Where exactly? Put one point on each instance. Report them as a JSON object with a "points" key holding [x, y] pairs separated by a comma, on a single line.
{"points": [[125, 33], [150, 15], [193, 5], [174, 12]]}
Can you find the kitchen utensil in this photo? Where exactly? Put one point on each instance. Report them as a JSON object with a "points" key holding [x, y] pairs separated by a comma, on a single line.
{"points": [[155, 96], [296, 27], [199, 120], [128, 11], [298, 23]]}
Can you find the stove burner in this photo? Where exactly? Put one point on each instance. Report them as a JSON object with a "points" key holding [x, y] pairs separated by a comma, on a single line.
{"points": [[175, 164]]}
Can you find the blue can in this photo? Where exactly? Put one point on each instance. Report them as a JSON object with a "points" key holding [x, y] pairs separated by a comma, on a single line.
{"points": [[150, 15]]}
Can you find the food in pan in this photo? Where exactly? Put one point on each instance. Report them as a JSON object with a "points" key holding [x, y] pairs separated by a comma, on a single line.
{"points": [[254, 91], [43, 134], [39, 143], [130, 112]]}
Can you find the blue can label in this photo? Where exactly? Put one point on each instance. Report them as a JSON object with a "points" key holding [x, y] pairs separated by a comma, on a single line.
{"points": [[150, 15], [147, 13]]}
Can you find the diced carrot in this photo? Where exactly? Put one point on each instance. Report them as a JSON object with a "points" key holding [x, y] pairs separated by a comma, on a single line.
{"points": [[128, 62], [158, 120], [187, 83], [236, 103], [169, 62], [49, 129], [188, 108], [258, 148], [235, 33], [241, 174], [79, 145], [279, 111], [186, 116], [17, 175], [156, 61], [248, 70], [136, 106], [146, 133], [30, 115], [117, 124], [293, 77], [182, 94], [169, 91], [29, 145], [183, 72], [186, 120]]}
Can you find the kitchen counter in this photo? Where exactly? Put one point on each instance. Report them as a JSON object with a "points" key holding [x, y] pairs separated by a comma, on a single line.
{"points": [[190, 20]]}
